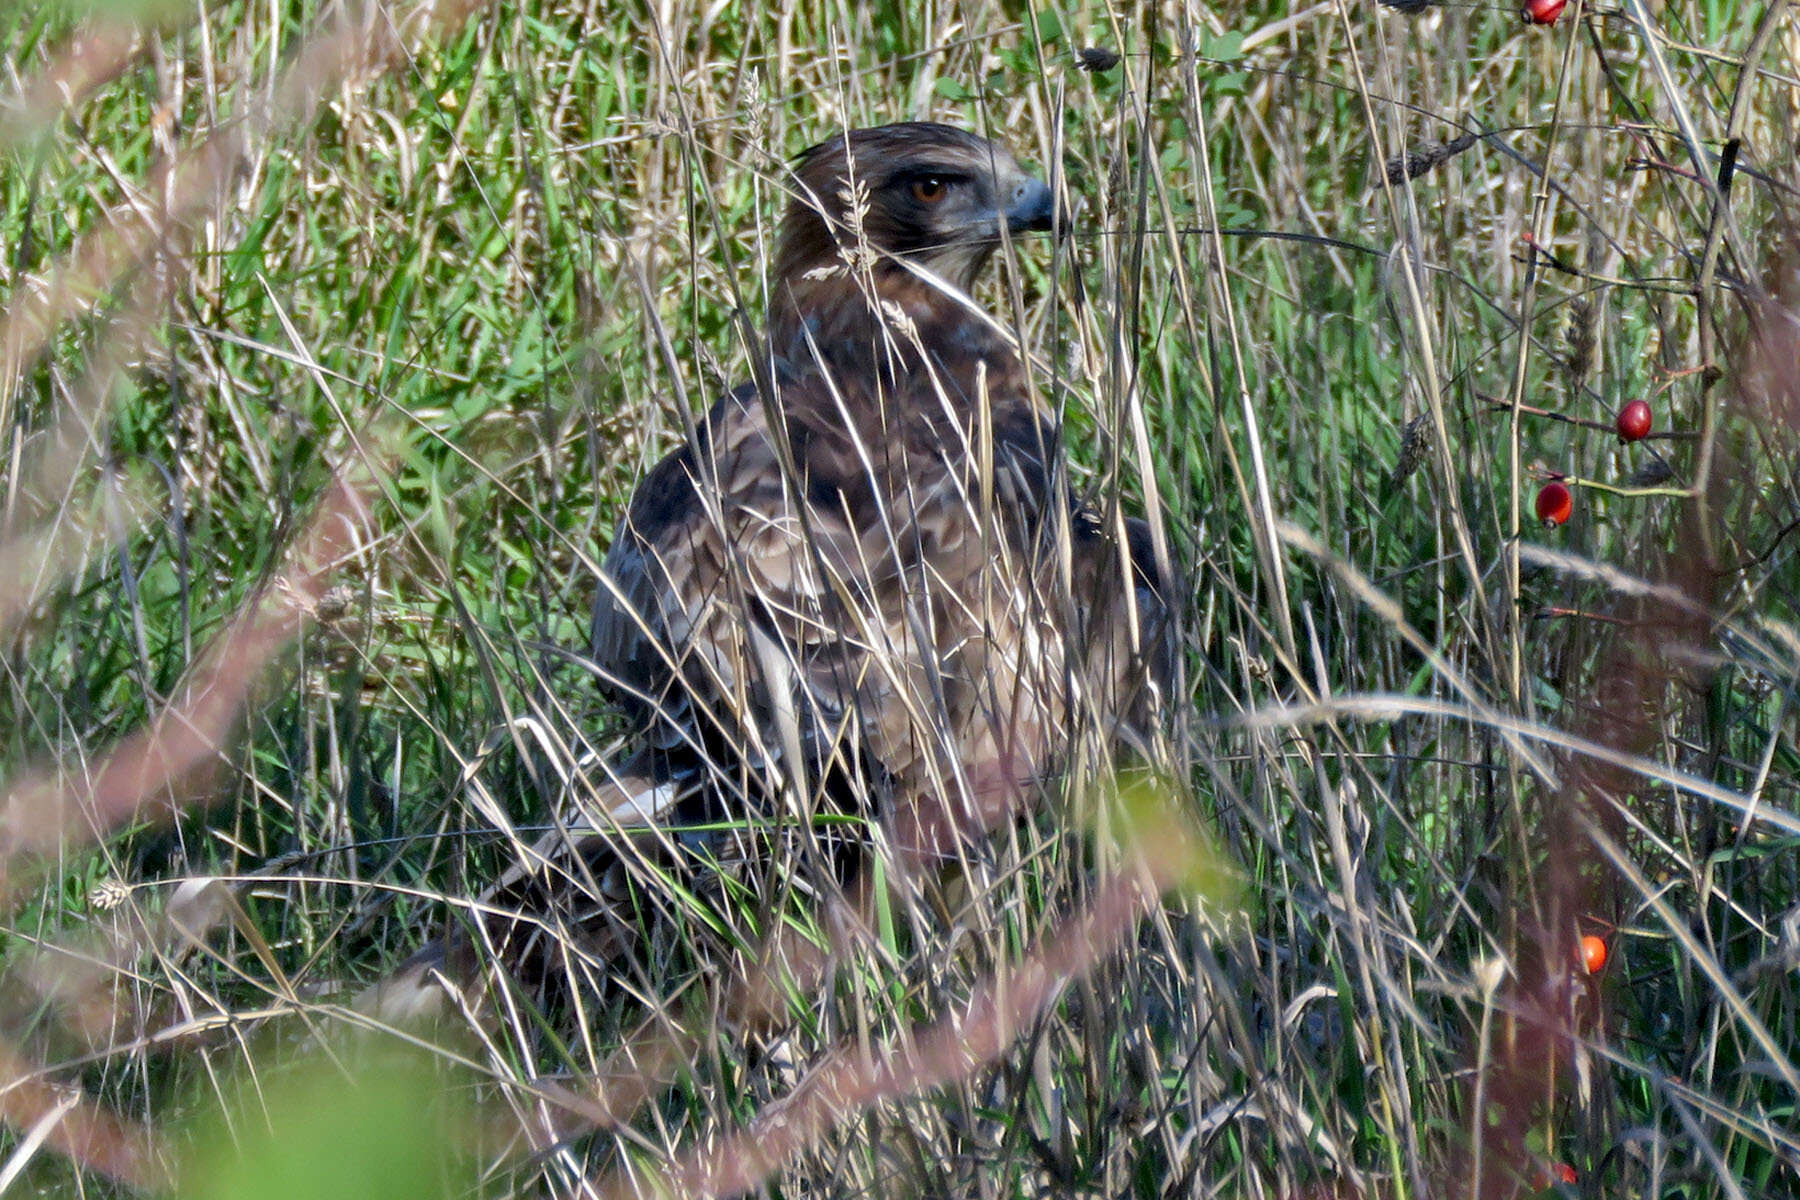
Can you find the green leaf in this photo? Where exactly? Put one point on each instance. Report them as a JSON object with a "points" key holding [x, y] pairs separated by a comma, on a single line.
{"points": [[1227, 47], [1049, 26], [390, 1131]]}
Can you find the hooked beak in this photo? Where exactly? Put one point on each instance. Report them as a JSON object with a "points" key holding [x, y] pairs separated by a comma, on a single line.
{"points": [[1033, 208]]}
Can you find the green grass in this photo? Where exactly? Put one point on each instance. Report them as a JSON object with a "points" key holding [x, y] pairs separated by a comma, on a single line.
{"points": [[491, 276]]}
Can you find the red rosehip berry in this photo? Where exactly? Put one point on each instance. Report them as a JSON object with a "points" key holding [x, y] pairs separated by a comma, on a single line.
{"points": [[1563, 1173], [1593, 953], [1555, 503], [1634, 422], [1542, 12]]}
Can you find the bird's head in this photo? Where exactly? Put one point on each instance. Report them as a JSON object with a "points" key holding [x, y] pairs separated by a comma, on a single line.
{"points": [[933, 195]]}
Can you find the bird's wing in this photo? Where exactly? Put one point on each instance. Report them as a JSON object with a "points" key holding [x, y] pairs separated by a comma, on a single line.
{"points": [[723, 588], [1127, 608]]}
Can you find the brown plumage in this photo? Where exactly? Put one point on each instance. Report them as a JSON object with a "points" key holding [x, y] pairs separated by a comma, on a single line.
{"points": [[865, 576]]}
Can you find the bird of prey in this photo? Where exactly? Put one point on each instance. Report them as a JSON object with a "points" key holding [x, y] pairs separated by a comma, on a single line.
{"points": [[864, 573]]}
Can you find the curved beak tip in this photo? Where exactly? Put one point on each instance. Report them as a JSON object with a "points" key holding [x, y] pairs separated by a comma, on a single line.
{"points": [[1033, 209]]}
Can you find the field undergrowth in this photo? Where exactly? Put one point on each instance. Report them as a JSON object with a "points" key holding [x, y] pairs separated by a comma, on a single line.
{"points": [[334, 335]]}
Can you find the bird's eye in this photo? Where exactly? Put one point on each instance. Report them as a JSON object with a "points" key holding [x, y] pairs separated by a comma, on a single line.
{"points": [[930, 189]]}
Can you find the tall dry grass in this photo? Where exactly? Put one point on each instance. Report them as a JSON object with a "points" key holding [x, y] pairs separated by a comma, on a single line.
{"points": [[334, 335]]}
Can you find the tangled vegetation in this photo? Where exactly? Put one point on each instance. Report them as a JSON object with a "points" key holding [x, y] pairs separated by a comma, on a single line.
{"points": [[334, 333]]}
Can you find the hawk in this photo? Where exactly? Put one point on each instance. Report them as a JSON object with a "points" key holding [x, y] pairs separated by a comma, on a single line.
{"points": [[864, 577]]}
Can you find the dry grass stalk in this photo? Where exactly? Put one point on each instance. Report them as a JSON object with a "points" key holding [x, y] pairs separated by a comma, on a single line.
{"points": [[75, 1125], [145, 776], [855, 1078], [1421, 779]]}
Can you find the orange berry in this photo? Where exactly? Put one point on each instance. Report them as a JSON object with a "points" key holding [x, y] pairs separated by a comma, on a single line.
{"points": [[1634, 422], [1593, 953], [1563, 1172], [1555, 503]]}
